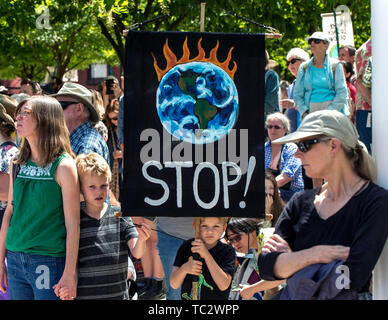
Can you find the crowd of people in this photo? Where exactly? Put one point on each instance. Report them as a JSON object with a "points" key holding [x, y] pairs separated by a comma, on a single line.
{"points": [[61, 172]]}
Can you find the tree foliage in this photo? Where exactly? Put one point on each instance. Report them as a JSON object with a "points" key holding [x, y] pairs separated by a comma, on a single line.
{"points": [[87, 31]]}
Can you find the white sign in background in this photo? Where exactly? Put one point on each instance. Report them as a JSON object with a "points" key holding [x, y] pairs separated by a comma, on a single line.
{"points": [[344, 27]]}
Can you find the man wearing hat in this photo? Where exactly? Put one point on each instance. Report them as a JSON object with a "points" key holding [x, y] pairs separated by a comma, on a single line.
{"points": [[80, 116]]}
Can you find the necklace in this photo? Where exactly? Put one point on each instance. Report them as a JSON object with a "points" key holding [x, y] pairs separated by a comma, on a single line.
{"points": [[352, 193]]}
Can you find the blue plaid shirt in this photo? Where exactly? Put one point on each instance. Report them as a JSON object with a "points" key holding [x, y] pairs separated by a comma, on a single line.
{"points": [[86, 139], [289, 165]]}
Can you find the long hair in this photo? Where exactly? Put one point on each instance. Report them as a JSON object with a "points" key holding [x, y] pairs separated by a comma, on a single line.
{"points": [[278, 204], [243, 225], [53, 135], [111, 107]]}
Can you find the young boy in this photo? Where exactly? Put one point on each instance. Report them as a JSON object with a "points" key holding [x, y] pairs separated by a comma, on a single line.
{"points": [[215, 268], [105, 236]]}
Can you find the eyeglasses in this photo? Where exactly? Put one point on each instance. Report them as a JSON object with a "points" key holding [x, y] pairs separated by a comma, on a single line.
{"points": [[24, 113], [317, 41], [292, 61], [236, 238], [274, 127], [305, 145], [65, 104], [115, 118]]}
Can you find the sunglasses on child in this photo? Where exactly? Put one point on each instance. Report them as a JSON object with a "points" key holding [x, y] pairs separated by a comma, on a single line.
{"points": [[292, 61], [236, 238], [115, 118], [317, 41], [305, 145]]}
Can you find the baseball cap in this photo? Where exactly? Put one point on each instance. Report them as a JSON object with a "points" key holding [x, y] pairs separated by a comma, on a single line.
{"points": [[330, 123], [81, 94], [319, 35]]}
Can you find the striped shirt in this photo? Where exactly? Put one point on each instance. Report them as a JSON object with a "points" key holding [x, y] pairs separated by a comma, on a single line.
{"points": [[103, 256]]}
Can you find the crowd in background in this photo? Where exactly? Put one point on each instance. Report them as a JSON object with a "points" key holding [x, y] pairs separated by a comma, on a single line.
{"points": [[94, 122]]}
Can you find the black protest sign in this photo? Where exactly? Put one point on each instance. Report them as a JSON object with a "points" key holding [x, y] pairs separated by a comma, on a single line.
{"points": [[194, 127]]}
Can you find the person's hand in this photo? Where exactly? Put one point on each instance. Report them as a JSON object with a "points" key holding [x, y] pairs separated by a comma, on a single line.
{"points": [[199, 247], [327, 254], [144, 232], [104, 88], [268, 202], [287, 103], [117, 154], [64, 294], [193, 267], [246, 291], [276, 243], [68, 282], [3, 277]]}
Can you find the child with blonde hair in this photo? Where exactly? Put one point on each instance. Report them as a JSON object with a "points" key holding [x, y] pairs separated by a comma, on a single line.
{"points": [[215, 268], [105, 236]]}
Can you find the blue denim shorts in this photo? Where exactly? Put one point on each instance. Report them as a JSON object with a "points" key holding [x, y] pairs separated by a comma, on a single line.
{"points": [[32, 277]]}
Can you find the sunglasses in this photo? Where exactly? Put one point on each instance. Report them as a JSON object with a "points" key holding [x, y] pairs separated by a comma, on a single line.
{"points": [[292, 61], [115, 118], [274, 127], [65, 104], [234, 239], [305, 145], [23, 114], [317, 41]]}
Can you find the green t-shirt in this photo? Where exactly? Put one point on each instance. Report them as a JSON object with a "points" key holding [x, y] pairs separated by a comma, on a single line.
{"points": [[37, 225]]}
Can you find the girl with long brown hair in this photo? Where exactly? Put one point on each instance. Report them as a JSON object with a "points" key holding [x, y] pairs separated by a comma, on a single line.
{"points": [[43, 206]]}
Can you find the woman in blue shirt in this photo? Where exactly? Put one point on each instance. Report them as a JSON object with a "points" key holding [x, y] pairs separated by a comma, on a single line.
{"points": [[320, 84]]}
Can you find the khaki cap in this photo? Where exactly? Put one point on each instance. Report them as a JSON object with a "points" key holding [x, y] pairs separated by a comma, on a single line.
{"points": [[81, 94], [330, 123]]}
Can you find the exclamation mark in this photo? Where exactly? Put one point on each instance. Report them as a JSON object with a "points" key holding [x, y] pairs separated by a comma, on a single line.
{"points": [[251, 167]]}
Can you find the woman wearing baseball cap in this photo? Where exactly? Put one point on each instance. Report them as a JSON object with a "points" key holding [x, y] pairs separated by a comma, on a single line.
{"points": [[320, 84], [345, 219]]}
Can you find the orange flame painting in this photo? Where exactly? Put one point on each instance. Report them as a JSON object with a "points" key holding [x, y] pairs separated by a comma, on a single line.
{"points": [[173, 61]]}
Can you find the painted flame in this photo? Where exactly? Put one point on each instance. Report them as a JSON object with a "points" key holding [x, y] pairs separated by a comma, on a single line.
{"points": [[172, 59]]}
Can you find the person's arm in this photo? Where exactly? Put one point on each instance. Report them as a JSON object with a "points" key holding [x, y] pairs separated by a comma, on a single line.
{"points": [[341, 89], [299, 91], [289, 263], [271, 98], [178, 274], [137, 245], [248, 291], [4, 186], [3, 232], [364, 91], [283, 179], [289, 166], [370, 238], [67, 178], [219, 276]]}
